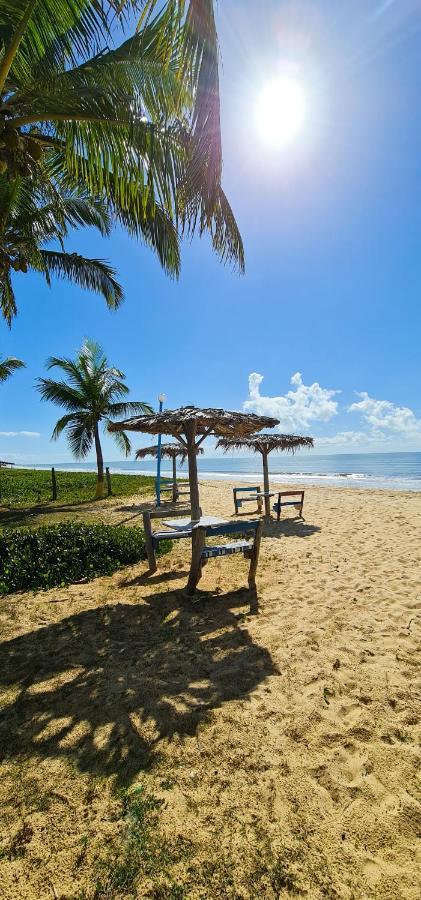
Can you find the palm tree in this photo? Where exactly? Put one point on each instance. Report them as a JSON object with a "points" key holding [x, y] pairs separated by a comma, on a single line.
{"points": [[8, 366], [94, 392], [138, 125], [35, 215]]}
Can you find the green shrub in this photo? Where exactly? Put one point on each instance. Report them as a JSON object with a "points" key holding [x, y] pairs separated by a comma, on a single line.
{"points": [[36, 558]]}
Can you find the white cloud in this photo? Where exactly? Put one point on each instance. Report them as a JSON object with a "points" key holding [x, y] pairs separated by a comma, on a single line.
{"points": [[345, 438], [297, 408], [26, 434], [384, 417]]}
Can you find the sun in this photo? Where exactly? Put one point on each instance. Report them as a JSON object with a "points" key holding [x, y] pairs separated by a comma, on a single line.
{"points": [[280, 111]]}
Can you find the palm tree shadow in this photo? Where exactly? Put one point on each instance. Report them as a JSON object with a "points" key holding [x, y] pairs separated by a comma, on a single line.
{"points": [[106, 685]]}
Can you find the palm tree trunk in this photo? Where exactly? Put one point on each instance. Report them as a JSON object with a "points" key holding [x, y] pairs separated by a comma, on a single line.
{"points": [[100, 464]]}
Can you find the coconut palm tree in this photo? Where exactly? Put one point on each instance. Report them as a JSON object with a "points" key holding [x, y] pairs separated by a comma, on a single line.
{"points": [[137, 125], [92, 392], [34, 216], [8, 365]]}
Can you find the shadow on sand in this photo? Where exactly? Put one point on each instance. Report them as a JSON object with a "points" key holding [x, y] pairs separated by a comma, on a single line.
{"points": [[105, 685], [289, 528]]}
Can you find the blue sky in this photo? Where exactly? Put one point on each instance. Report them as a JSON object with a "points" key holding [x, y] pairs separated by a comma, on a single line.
{"points": [[326, 320]]}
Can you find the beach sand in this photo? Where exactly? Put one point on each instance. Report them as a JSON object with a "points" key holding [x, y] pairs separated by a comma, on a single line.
{"points": [[284, 744]]}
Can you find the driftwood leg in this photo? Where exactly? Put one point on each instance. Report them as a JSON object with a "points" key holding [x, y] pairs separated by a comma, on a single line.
{"points": [[255, 555], [198, 542], [278, 515], [302, 504], [150, 549], [259, 506]]}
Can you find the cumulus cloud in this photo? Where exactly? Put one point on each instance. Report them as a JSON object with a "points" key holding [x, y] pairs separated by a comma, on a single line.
{"points": [[296, 409], [26, 434], [384, 417]]}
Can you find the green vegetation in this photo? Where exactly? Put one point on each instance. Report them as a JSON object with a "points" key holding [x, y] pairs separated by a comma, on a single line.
{"points": [[93, 392], [135, 126], [34, 218], [27, 487], [9, 365], [34, 558], [138, 852]]}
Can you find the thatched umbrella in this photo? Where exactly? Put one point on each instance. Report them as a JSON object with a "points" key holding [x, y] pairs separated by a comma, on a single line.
{"points": [[169, 451], [265, 444], [190, 426]]}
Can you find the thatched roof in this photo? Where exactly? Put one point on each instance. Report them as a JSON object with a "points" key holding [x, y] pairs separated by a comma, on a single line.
{"points": [[207, 421], [167, 450], [265, 443]]}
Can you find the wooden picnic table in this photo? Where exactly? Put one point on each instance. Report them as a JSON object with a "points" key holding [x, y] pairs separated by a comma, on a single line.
{"points": [[189, 525]]}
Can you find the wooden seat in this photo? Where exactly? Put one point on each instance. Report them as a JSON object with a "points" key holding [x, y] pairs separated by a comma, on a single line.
{"points": [[201, 552], [153, 538], [175, 488], [277, 507], [238, 501], [226, 549]]}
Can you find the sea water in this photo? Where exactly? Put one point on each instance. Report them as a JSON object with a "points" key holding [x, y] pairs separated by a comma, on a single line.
{"points": [[388, 471]]}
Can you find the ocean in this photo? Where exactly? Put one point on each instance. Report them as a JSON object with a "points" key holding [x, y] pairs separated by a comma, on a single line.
{"points": [[387, 471]]}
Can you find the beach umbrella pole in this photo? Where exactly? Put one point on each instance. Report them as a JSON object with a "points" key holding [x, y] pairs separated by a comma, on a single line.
{"points": [[193, 479], [266, 484], [161, 399], [174, 480]]}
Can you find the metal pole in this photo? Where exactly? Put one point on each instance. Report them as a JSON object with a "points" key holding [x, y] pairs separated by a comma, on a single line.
{"points": [[161, 399]]}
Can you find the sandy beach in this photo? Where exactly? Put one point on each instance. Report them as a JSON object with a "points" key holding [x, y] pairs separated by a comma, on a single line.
{"points": [[284, 744]]}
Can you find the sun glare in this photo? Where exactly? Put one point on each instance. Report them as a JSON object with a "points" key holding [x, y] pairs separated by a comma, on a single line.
{"points": [[280, 111]]}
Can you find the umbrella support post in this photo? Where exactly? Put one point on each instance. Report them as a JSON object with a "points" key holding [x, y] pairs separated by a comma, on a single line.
{"points": [[198, 543], [174, 480], [266, 486], [193, 479]]}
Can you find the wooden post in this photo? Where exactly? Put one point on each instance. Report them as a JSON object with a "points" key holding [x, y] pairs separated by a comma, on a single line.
{"points": [[108, 477], [54, 483], [193, 480], [174, 480], [198, 543], [266, 483], [255, 555], [150, 549], [234, 491]]}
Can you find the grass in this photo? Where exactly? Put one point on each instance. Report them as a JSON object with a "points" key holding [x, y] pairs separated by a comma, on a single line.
{"points": [[23, 487]]}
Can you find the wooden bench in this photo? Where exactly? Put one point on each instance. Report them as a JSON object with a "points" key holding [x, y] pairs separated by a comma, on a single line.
{"points": [[201, 551], [176, 490], [238, 501], [153, 538], [297, 503]]}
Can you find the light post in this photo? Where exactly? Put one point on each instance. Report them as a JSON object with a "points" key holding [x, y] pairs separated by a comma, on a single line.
{"points": [[161, 398]]}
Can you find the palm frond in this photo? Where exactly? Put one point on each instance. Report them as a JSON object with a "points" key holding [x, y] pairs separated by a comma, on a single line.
{"points": [[91, 274], [61, 425], [43, 33], [93, 394], [80, 437], [130, 408], [61, 393], [8, 365], [122, 441], [7, 299]]}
